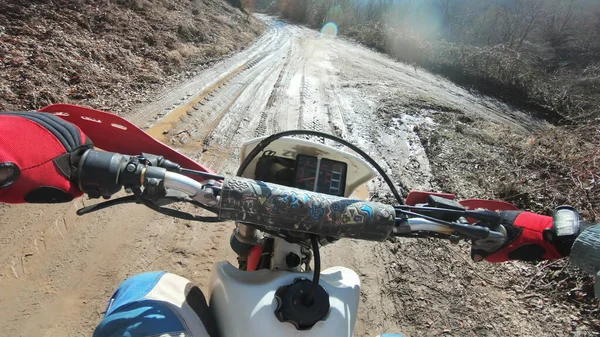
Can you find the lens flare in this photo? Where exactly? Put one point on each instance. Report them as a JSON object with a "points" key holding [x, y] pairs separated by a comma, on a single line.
{"points": [[329, 30], [335, 14]]}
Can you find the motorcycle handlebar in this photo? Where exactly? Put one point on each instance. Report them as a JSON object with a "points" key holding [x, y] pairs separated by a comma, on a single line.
{"points": [[102, 174], [299, 210]]}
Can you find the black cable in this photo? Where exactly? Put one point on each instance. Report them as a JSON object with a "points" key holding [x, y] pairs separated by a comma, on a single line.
{"points": [[425, 235], [317, 273], [404, 208], [467, 231], [201, 205], [172, 212], [191, 201], [113, 202], [178, 214], [443, 222], [202, 174], [265, 142]]}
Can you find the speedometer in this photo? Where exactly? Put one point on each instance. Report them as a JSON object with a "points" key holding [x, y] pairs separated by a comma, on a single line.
{"points": [[320, 175]]}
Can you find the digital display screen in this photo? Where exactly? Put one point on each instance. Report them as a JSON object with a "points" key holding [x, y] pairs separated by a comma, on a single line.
{"points": [[306, 172], [323, 176], [332, 177]]}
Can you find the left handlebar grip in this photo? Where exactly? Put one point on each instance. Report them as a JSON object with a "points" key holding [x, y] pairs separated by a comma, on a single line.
{"points": [[293, 209], [99, 173]]}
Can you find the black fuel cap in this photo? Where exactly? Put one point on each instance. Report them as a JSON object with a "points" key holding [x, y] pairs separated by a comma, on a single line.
{"points": [[292, 306]]}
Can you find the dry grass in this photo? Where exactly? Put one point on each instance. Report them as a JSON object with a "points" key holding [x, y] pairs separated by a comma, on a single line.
{"points": [[559, 166], [101, 56]]}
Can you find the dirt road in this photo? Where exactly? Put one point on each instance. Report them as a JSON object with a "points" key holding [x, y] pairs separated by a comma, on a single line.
{"points": [[57, 270]]}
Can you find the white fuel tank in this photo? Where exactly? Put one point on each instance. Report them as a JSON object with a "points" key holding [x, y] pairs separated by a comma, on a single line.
{"points": [[244, 302]]}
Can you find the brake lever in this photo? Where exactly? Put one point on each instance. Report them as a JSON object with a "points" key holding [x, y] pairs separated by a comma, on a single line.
{"points": [[105, 204], [497, 239]]}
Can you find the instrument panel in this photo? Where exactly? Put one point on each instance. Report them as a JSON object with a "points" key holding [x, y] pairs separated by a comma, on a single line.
{"points": [[320, 175]]}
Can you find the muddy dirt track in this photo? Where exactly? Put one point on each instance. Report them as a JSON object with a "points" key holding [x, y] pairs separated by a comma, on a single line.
{"points": [[57, 270]]}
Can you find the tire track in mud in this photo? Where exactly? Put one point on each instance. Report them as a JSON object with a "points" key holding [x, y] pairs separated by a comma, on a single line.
{"points": [[202, 108], [303, 92], [336, 120], [262, 124], [308, 117], [219, 120], [368, 135], [236, 116]]}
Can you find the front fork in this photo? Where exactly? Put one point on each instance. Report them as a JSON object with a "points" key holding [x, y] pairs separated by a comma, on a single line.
{"points": [[256, 250]]}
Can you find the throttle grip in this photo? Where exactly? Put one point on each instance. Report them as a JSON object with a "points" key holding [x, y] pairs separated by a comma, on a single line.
{"points": [[293, 209]]}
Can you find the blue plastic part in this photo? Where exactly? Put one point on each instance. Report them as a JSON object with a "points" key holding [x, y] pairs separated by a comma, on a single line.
{"points": [[133, 289], [130, 314], [141, 318]]}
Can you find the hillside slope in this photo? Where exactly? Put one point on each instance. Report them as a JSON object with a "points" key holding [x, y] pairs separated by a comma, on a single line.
{"points": [[110, 54]]}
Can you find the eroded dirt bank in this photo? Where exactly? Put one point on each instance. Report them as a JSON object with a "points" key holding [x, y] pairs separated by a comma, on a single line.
{"points": [[110, 54], [57, 270]]}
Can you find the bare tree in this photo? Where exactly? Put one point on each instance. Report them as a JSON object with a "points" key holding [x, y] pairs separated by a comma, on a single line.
{"points": [[558, 14]]}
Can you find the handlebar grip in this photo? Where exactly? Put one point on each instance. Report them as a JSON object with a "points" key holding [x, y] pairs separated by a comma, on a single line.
{"points": [[99, 173], [102, 174], [289, 208]]}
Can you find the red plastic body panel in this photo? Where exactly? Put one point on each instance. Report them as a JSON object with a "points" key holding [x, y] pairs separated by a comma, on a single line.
{"points": [[492, 205], [420, 197], [113, 133], [254, 258]]}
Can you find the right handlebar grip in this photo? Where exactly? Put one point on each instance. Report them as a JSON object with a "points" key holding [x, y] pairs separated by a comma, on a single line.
{"points": [[293, 209]]}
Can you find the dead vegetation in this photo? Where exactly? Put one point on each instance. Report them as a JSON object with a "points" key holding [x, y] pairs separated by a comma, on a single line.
{"points": [[559, 166], [536, 173], [110, 54], [540, 55]]}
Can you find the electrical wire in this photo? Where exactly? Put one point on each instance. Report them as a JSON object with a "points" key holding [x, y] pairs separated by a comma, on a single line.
{"points": [[202, 174], [442, 222], [417, 209], [317, 272]]}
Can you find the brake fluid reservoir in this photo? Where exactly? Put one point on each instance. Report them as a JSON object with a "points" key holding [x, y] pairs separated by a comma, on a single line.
{"points": [[244, 303]]}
